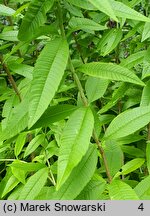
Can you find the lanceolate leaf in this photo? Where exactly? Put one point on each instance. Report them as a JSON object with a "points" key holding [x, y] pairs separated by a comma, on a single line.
{"points": [[47, 75], [119, 190], [83, 23], [143, 188], [79, 177], [82, 4], [34, 18], [145, 100], [128, 122], [34, 185], [110, 71], [105, 7], [122, 10], [74, 142]]}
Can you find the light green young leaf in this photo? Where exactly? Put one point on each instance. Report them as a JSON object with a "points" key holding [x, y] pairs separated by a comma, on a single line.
{"points": [[34, 18], [6, 11], [95, 88], [143, 188], [122, 10], [79, 176], [35, 142], [110, 71], [104, 6], [128, 122], [77, 23], [11, 184], [51, 64], [146, 32], [131, 166], [34, 185], [109, 41], [118, 190], [20, 141], [74, 142]]}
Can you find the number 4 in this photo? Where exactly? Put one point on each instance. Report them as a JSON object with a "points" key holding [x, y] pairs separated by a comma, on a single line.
{"points": [[141, 207]]}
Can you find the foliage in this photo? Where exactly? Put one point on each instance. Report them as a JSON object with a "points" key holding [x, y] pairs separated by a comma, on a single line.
{"points": [[74, 99]]}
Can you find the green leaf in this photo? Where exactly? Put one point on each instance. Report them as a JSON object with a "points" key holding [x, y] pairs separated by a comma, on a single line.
{"points": [[82, 4], [18, 121], [34, 18], [79, 176], [12, 182], [145, 100], [117, 95], [128, 122], [34, 185], [114, 156], [143, 188], [9, 35], [95, 88], [105, 7], [131, 166], [122, 10], [35, 142], [109, 41], [119, 190], [146, 32], [20, 141], [110, 71], [74, 142], [47, 74], [6, 11], [77, 23], [93, 189], [54, 114]]}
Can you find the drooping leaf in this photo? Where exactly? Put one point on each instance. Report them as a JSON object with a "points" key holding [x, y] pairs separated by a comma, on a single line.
{"points": [[104, 6], [54, 114], [109, 41], [74, 142], [95, 88], [6, 11], [77, 23], [128, 122], [110, 71], [34, 18], [34, 185], [79, 176], [119, 190], [47, 75], [35, 142]]}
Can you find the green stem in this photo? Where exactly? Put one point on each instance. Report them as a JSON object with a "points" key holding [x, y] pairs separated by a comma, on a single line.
{"points": [[81, 90]]}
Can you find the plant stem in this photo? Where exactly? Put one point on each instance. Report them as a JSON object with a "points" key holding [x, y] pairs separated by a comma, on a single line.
{"points": [[10, 78], [83, 97]]}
